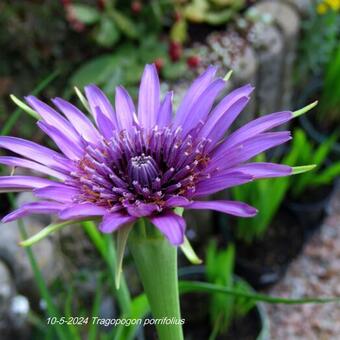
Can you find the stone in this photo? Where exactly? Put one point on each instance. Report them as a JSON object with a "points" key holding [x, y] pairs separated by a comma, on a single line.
{"points": [[288, 22], [302, 6], [7, 288], [268, 44], [17, 259]]}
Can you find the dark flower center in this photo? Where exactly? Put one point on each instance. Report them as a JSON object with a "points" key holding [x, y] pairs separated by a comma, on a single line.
{"points": [[143, 169], [140, 166]]}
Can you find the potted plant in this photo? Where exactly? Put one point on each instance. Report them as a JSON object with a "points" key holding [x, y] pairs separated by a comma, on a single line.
{"points": [[262, 254], [226, 315], [309, 194]]}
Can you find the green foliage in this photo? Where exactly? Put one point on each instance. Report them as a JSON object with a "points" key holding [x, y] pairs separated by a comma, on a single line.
{"points": [[214, 12], [125, 66], [118, 20], [220, 271], [308, 154], [267, 196], [319, 34], [85, 13], [330, 96]]}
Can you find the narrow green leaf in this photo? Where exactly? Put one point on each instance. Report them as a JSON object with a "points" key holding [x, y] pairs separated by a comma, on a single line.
{"points": [[24, 107], [304, 109], [105, 247], [82, 99], [52, 310], [122, 236], [303, 168], [196, 286], [189, 252], [45, 232], [93, 330]]}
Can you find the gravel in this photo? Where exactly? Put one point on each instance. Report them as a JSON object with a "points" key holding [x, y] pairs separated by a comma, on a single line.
{"points": [[316, 272]]}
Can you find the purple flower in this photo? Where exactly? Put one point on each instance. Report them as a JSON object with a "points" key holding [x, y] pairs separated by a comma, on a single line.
{"points": [[144, 162]]}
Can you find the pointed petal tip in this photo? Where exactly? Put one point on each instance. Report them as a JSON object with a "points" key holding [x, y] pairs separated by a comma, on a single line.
{"points": [[6, 219]]}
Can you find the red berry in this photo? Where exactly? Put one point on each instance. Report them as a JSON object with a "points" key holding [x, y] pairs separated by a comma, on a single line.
{"points": [[101, 4], [177, 16], [66, 3], [175, 50], [193, 61], [136, 6], [159, 63]]}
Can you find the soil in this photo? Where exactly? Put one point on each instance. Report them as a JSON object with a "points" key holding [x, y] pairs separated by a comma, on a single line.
{"points": [[264, 261]]}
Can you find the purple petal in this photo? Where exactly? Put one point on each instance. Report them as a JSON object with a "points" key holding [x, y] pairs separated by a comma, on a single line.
{"points": [[80, 122], [165, 111], [264, 170], [23, 183], [33, 208], [229, 207], [171, 225], [36, 152], [82, 211], [227, 157], [105, 125], [71, 150], [53, 118], [125, 108], [194, 92], [226, 112], [203, 105], [114, 221], [62, 193], [258, 126], [177, 201], [221, 182], [148, 97], [24, 163], [97, 98], [142, 209]]}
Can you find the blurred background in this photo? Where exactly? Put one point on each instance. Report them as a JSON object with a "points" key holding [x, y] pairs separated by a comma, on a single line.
{"points": [[289, 50]]}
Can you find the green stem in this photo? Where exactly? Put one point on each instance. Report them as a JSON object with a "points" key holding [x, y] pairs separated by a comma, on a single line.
{"points": [[156, 262]]}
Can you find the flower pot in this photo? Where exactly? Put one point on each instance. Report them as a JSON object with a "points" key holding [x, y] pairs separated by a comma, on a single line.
{"points": [[254, 325], [309, 124], [264, 261], [311, 208]]}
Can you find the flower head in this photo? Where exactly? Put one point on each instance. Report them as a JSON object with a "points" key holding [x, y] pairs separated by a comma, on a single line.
{"points": [[143, 162]]}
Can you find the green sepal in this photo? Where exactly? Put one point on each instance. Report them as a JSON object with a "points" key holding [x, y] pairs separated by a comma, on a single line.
{"points": [[45, 232], [122, 236], [82, 99], [228, 75], [189, 252], [24, 107]]}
